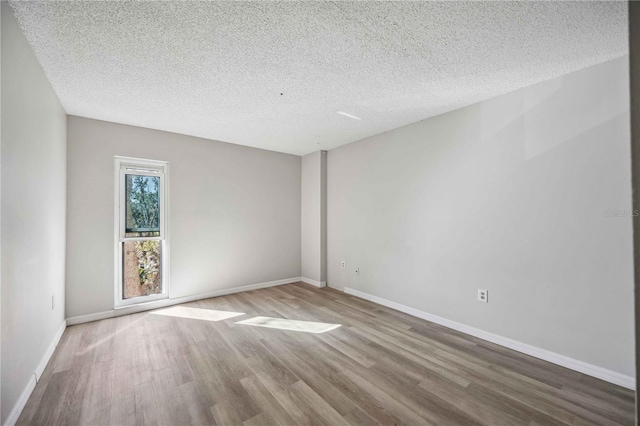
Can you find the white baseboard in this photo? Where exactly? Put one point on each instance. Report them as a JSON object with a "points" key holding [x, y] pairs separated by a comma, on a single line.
{"points": [[174, 301], [318, 284], [49, 353], [610, 376], [21, 402], [15, 412]]}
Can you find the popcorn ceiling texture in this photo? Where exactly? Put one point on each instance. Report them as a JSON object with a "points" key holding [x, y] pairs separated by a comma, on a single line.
{"points": [[217, 69]]}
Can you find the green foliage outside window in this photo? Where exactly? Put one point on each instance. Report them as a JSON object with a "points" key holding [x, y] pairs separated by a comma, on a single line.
{"points": [[143, 205], [148, 254]]}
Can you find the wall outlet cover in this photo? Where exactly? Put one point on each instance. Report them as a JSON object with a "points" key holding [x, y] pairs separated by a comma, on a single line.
{"points": [[483, 295]]}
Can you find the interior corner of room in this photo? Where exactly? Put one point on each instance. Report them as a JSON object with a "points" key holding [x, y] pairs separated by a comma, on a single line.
{"points": [[506, 224]]}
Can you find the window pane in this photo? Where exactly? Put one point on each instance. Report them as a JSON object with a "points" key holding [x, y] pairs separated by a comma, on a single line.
{"points": [[141, 268], [142, 199]]}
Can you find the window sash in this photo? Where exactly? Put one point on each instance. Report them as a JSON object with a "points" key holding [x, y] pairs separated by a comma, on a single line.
{"points": [[128, 170]]}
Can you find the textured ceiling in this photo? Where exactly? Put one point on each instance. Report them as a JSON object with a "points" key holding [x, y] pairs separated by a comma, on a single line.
{"points": [[274, 75]]}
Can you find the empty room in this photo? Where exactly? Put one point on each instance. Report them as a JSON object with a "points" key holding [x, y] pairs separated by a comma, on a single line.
{"points": [[319, 212]]}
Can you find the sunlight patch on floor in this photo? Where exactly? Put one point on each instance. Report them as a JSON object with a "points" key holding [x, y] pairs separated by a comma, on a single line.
{"points": [[197, 313], [292, 325], [119, 330]]}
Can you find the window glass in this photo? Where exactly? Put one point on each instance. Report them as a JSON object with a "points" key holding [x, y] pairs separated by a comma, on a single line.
{"points": [[141, 268], [142, 198]]}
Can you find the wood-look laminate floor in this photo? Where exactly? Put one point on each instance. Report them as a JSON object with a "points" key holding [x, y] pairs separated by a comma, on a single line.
{"points": [[380, 366]]}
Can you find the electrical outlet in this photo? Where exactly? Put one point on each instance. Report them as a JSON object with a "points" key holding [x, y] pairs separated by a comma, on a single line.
{"points": [[53, 301], [344, 264], [483, 296], [358, 271]]}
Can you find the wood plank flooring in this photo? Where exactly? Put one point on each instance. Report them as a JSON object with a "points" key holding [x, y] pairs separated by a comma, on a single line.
{"points": [[380, 367]]}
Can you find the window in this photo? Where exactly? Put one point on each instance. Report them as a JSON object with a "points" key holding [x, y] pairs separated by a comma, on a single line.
{"points": [[141, 252]]}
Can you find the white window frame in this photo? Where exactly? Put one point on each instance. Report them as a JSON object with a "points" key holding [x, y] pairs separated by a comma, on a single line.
{"points": [[144, 167]]}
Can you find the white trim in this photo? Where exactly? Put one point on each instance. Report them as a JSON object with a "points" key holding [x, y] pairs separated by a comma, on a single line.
{"points": [[131, 309], [21, 402], [610, 376], [319, 284], [49, 353], [13, 416]]}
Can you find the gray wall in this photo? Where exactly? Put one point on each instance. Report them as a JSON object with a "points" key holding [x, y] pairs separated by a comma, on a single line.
{"points": [[313, 244], [33, 207], [234, 212], [509, 195]]}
